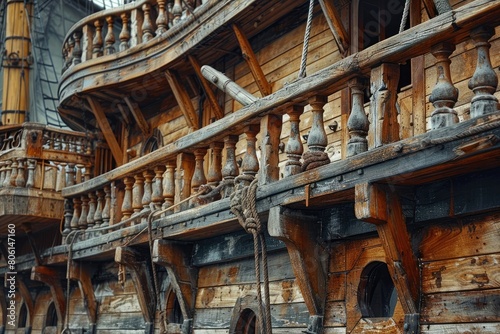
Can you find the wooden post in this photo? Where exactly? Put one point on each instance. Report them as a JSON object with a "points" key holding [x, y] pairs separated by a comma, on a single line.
{"points": [[157, 191], [199, 178], [294, 147], [230, 170], [214, 175], [82, 273], [97, 42], [169, 185], [16, 64], [125, 33], [109, 40], [270, 127], [137, 194], [358, 123], [250, 164], [147, 24], [183, 176], [127, 208], [162, 19]]}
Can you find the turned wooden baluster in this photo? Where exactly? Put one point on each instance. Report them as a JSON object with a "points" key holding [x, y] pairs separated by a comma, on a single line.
{"points": [[484, 82], [30, 182], [214, 175], [20, 179], [2, 173], [148, 189], [77, 206], [82, 222], [357, 123], [68, 215], [99, 208], [162, 19], [71, 45], [250, 164], [316, 140], [294, 147], [61, 177], [110, 37], [169, 186], [87, 175], [71, 174], [8, 169], [65, 54], [177, 11], [77, 49], [444, 95], [97, 42], [137, 193], [92, 210], [125, 33], [157, 192], [198, 178], [13, 173], [147, 24], [127, 208], [79, 174], [230, 170], [106, 211]]}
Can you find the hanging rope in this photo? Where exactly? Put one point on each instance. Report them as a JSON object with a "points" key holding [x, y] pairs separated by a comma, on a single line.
{"points": [[305, 48], [243, 205], [405, 16]]}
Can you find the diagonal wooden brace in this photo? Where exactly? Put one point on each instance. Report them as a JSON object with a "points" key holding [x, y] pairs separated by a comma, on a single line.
{"points": [[176, 258], [52, 278], [301, 235], [82, 273], [378, 205], [140, 271]]}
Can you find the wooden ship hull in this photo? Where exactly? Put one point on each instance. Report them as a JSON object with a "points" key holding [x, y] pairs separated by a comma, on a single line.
{"points": [[254, 166]]}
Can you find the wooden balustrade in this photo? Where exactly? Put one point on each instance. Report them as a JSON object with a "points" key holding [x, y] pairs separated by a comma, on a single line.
{"points": [[95, 36], [172, 174]]}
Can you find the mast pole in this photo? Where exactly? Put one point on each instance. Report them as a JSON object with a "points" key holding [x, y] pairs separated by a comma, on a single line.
{"points": [[16, 62]]}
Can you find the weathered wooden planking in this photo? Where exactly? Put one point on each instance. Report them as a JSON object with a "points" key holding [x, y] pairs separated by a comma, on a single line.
{"points": [[280, 292], [483, 328], [335, 314], [468, 273], [375, 326], [465, 237], [466, 306], [283, 315], [243, 271]]}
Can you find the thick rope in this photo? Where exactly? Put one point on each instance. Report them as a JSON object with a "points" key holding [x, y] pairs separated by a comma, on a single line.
{"points": [[305, 47], [406, 11], [243, 205]]}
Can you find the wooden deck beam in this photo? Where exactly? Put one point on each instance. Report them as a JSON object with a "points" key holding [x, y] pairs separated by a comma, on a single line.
{"points": [[249, 56], [336, 26], [138, 116], [140, 271], [380, 205], [106, 130], [212, 99], [182, 98]]}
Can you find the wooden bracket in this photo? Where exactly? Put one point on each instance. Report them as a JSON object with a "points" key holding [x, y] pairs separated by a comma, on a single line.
{"points": [[377, 205], [81, 273], [336, 26], [249, 56], [52, 278], [140, 271], [212, 99], [182, 98], [301, 234], [27, 230], [176, 258], [28, 301], [138, 116], [106, 130]]}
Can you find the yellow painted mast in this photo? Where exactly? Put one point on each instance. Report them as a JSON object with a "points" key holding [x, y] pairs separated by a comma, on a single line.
{"points": [[16, 64]]}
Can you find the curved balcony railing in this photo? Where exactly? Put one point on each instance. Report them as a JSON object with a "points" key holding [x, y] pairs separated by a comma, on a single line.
{"points": [[176, 171]]}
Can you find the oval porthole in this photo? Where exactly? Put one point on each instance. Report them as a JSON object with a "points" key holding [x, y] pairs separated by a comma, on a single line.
{"points": [[377, 296]]}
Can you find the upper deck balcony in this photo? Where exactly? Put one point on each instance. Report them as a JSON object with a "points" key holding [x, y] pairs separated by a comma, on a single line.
{"points": [[283, 136]]}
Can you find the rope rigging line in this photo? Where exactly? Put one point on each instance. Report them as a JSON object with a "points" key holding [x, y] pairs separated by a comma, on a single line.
{"points": [[305, 48], [406, 11], [244, 207]]}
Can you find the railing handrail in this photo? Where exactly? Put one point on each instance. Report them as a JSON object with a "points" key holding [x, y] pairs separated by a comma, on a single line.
{"points": [[400, 47]]}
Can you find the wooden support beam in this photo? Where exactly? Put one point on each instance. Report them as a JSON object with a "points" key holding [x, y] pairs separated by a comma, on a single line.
{"points": [[138, 116], [381, 206], [124, 114], [52, 278], [309, 259], [28, 301], [82, 273], [430, 8], [384, 126], [182, 98], [106, 130], [140, 271], [176, 258], [336, 26], [249, 56], [212, 99]]}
